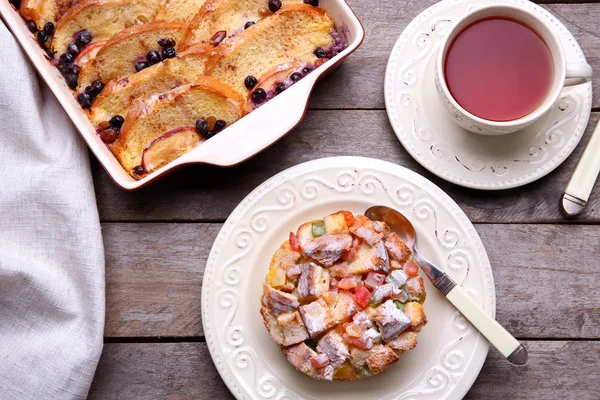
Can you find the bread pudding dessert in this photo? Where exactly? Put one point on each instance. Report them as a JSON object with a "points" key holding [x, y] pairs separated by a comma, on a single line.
{"points": [[343, 298], [159, 77]]}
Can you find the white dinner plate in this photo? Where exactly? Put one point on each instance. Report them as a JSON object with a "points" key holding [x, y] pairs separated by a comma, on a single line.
{"points": [[428, 133], [450, 352]]}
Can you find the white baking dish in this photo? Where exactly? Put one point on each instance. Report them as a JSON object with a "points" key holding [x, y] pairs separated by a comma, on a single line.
{"points": [[240, 141]]}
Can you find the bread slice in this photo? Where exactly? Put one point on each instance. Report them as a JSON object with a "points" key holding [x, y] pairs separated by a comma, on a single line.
{"points": [[292, 33], [120, 94], [43, 11], [117, 58], [102, 18], [152, 117], [169, 146], [226, 15], [179, 10]]}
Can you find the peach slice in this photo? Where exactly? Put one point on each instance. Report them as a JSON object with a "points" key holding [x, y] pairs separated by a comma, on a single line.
{"points": [[279, 73], [89, 52], [168, 147]]}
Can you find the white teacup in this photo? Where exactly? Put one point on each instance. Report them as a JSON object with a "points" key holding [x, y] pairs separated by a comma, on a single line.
{"points": [[565, 74]]}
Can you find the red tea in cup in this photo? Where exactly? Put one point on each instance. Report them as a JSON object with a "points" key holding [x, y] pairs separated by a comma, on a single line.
{"points": [[499, 69]]}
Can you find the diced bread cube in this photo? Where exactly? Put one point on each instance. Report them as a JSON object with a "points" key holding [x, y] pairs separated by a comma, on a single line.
{"points": [[397, 249], [369, 259], [326, 249], [317, 317], [416, 289], [344, 308], [336, 223], [381, 359], [272, 326], [404, 342], [416, 313], [279, 302], [333, 345], [285, 257], [369, 231], [391, 320], [293, 328], [300, 356], [313, 282], [398, 278]]}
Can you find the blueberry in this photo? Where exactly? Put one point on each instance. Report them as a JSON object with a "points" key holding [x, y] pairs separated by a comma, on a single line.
{"points": [[50, 53], [74, 69], [49, 28], [153, 57], [140, 65], [71, 80], [82, 38], [109, 135], [279, 88], [166, 42], [139, 170], [90, 91], [85, 100], [72, 48], [32, 26], [320, 53], [274, 5], [42, 37], [66, 59], [306, 70], [314, 3], [201, 126], [295, 77], [248, 24], [116, 121], [209, 134], [259, 95], [168, 52], [97, 86], [220, 125], [250, 82]]}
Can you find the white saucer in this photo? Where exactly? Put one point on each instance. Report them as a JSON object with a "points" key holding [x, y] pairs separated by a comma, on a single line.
{"points": [[450, 352], [427, 132]]}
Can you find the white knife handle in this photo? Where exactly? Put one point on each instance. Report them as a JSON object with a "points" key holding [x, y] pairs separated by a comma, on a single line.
{"points": [[488, 326], [582, 182]]}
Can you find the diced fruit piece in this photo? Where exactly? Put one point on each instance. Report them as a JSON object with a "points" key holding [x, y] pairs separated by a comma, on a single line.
{"points": [[374, 280], [416, 313], [416, 289], [317, 317], [348, 283], [362, 296], [363, 372], [411, 268], [345, 373], [362, 342], [349, 218], [320, 360], [279, 302], [398, 250], [380, 360], [333, 345], [331, 298], [294, 243], [318, 228], [168, 147], [363, 320], [314, 281], [354, 330], [277, 277], [399, 305], [369, 231], [293, 328], [390, 320]]}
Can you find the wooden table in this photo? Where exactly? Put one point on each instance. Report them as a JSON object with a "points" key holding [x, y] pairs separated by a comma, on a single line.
{"points": [[546, 268]]}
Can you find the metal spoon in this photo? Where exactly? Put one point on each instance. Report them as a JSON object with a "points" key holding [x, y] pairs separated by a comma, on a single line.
{"points": [[489, 327]]}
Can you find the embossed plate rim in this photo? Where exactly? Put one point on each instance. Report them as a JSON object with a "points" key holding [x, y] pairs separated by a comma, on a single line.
{"points": [[396, 175], [457, 175]]}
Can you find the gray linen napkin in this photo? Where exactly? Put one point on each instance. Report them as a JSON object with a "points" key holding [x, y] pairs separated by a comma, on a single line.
{"points": [[51, 253]]}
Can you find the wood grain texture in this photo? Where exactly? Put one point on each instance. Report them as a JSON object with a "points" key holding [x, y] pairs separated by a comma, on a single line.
{"points": [[205, 193], [546, 278], [556, 370], [359, 81]]}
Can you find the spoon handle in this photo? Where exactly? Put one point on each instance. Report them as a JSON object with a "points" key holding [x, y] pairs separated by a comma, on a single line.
{"points": [[488, 326]]}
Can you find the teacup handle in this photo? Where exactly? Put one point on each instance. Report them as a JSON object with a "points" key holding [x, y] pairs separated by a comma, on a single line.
{"points": [[578, 73]]}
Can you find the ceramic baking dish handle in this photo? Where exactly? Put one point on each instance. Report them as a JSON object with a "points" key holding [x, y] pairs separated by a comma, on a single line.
{"points": [[248, 136]]}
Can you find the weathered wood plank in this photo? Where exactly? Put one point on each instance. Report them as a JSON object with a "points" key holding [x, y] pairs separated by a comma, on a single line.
{"points": [[556, 370], [359, 82], [204, 193], [546, 278]]}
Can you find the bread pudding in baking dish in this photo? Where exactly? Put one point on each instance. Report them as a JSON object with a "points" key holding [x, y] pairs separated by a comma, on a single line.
{"points": [[343, 298], [158, 77]]}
